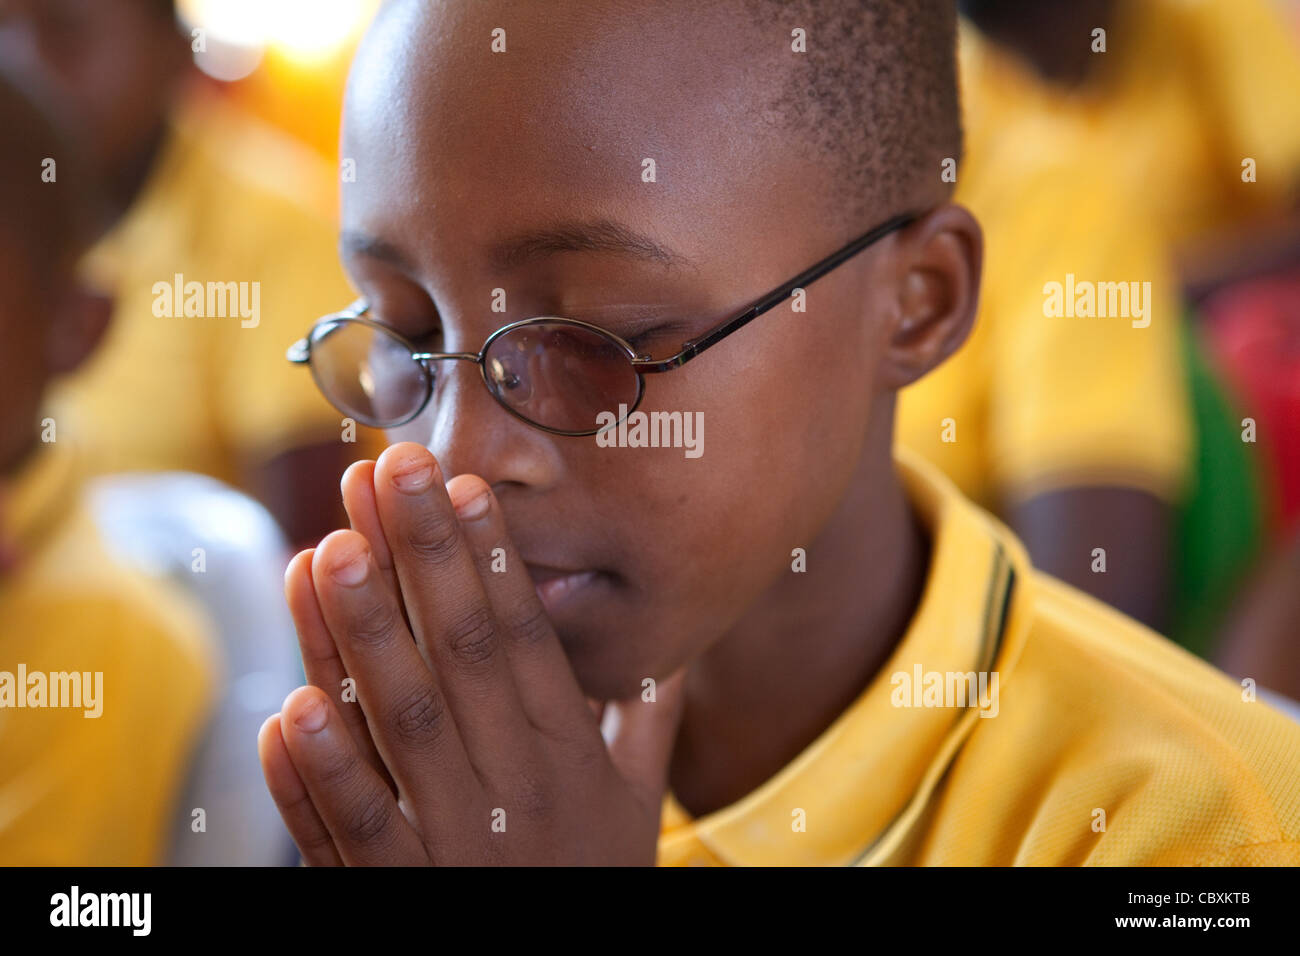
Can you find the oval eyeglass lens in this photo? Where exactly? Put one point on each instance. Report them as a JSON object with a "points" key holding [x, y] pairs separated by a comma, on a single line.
{"points": [[367, 373], [560, 376]]}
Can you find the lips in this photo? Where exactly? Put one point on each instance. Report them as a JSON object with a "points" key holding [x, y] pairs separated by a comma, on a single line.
{"points": [[557, 587]]}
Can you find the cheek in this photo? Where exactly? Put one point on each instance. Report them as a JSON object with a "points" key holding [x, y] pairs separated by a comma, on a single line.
{"points": [[418, 430], [781, 441]]}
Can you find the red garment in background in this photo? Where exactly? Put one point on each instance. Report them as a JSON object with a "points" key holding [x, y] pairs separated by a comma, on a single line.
{"points": [[1253, 331]]}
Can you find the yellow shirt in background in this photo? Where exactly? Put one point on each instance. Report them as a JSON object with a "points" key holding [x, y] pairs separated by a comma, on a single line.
{"points": [[1097, 183], [1034, 402], [78, 790], [1186, 90], [1104, 743], [227, 202]]}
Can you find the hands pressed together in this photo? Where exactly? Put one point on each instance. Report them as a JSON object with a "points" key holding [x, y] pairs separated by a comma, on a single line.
{"points": [[468, 739]]}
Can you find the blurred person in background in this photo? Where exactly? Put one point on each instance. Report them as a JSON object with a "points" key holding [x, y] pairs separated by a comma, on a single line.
{"points": [[106, 675], [197, 193], [1181, 96], [1180, 123]]}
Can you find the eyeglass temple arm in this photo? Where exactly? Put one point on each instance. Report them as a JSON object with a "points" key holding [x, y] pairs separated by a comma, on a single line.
{"points": [[773, 299]]}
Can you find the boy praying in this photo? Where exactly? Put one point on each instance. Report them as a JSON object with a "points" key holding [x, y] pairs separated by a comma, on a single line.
{"points": [[692, 660]]}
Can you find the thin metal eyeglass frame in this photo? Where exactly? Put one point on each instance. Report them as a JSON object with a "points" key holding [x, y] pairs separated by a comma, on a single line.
{"points": [[300, 352]]}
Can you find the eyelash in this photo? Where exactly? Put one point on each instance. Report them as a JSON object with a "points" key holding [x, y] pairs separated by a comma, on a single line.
{"points": [[639, 340], [427, 339]]}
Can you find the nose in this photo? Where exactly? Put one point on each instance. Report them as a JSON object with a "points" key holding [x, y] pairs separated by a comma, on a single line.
{"points": [[470, 433]]}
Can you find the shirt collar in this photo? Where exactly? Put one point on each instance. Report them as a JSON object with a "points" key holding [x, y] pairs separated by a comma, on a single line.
{"points": [[861, 787]]}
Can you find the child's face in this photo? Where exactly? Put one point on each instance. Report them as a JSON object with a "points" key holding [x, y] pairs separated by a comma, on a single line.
{"points": [[458, 149]]}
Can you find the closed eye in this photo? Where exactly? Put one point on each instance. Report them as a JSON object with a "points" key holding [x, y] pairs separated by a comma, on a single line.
{"points": [[419, 334], [642, 339], [668, 334], [427, 342], [417, 324]]}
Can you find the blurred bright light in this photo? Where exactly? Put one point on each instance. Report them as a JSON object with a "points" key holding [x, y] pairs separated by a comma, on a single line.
{"points": [[304, 30], [312, 29], [228, 61]]}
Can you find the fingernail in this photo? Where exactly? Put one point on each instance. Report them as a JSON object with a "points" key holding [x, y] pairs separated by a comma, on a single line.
{"points": [[413, 478], [473, 509], [353, 571], [311, 718]]}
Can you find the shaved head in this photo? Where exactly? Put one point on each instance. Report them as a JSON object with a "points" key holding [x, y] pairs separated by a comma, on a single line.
{"points": [[865, 101]]}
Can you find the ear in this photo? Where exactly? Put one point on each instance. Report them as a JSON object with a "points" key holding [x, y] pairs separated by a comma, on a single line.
{"points": [[939, 258], [77, 327]]}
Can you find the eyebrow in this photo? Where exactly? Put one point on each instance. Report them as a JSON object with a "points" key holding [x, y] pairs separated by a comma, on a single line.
{"points": [[361, 243], [599, 235]]}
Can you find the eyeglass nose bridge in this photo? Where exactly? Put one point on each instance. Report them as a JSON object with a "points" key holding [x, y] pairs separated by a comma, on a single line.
{"points": [[427, 357], [426, 360]]}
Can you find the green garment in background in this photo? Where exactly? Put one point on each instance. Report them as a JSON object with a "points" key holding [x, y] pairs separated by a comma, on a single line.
{"points": [[1219, 531]]}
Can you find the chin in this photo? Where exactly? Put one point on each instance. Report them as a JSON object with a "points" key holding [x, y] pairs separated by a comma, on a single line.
{"points": [[610, 664]]}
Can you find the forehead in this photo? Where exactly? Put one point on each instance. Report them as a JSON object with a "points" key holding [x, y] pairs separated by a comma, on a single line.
{"points": [[445, 131]]}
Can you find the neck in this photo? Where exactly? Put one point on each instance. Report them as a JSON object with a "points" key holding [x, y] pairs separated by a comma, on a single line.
{"points": [[769, 687]]}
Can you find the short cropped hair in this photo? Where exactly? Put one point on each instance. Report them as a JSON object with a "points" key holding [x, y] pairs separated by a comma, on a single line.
{"points": [[875, 96]]}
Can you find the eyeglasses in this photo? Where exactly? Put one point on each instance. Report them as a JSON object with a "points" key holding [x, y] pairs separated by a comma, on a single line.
{"points": [[560, 375]]}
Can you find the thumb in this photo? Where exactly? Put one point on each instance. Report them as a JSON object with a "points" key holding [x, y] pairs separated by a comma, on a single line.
{"points": [[641, 735]]}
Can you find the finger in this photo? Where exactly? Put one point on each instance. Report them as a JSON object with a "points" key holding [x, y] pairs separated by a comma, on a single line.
{"points": [[547, 686], [321, 662], [447, 606], [354, 803], [643, 739], [358, 487], [403, 703], [292, 800]]}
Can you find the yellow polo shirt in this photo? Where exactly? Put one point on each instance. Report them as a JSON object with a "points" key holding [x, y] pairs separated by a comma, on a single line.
{"points": [[211, 391], [90, 790], [1104, 743]]}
